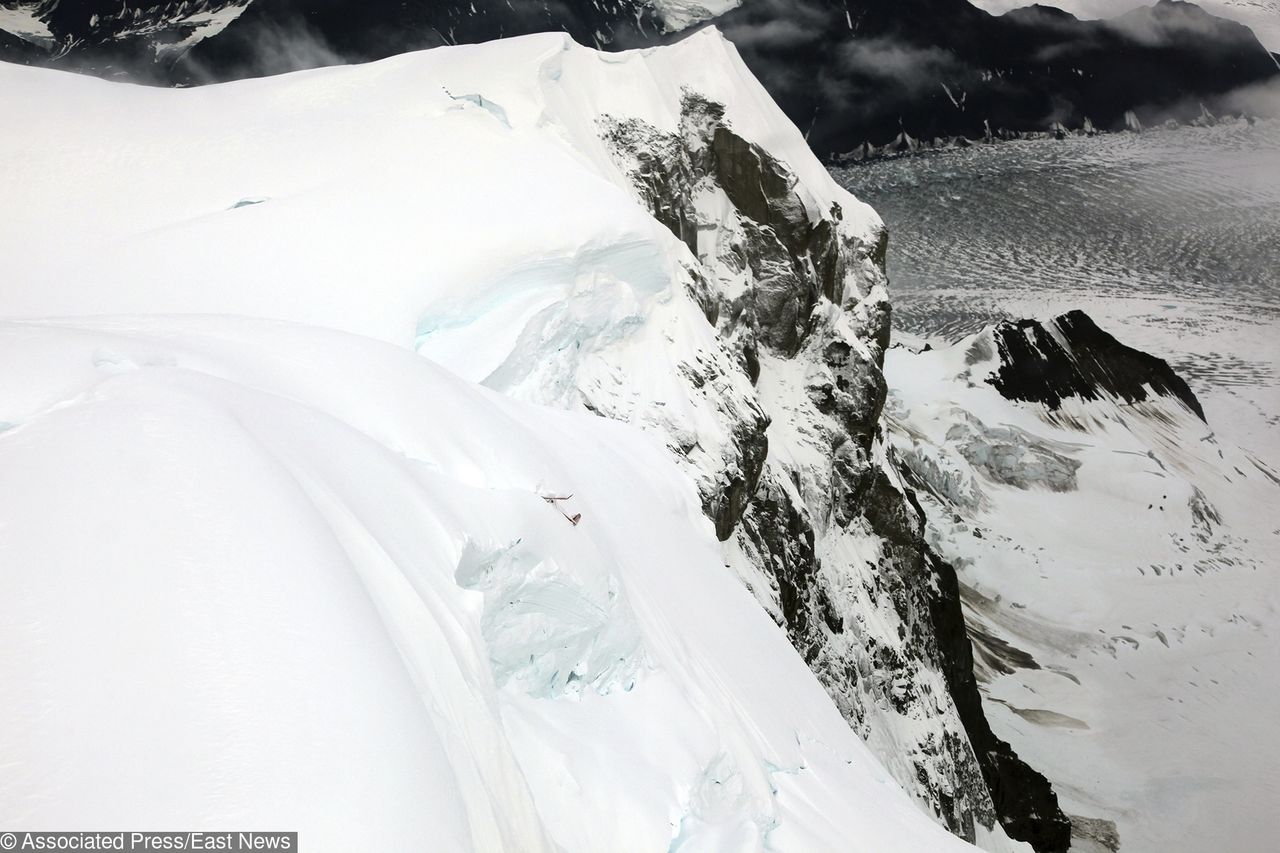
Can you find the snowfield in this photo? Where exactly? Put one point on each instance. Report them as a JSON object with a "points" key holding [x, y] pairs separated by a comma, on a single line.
{"points": [[270, 555], [1117, 563]]}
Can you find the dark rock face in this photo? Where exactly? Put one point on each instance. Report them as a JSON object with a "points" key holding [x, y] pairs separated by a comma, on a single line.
{"points": [[778, 527], [862, 78], [792, 260], [1071, 357], [1025, 800], [787, 289], [926, 595], [727, 504]]}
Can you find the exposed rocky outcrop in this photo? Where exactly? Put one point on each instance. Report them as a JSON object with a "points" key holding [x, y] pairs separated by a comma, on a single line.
{"points": [[1023, 797], [824, 531], [1069, 356]]}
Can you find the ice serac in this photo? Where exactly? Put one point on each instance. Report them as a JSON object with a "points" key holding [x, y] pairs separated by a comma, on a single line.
{"points": [[643, 236], [1112, 556]]}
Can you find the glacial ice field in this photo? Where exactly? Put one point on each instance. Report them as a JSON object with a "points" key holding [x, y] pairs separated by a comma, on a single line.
{"points": [[1130, 635], [1169, 238]]}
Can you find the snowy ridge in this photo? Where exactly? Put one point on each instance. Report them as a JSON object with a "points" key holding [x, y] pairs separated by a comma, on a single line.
{"points": [[237, 433]]}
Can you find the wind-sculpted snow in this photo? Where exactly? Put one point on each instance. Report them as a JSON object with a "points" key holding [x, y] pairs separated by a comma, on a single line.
{"points": [[1116, 559], [640, 236], [273, 574], [270, 538]]}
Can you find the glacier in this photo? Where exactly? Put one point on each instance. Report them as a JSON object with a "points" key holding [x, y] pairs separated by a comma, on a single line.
{"points": [[1123, 615]]}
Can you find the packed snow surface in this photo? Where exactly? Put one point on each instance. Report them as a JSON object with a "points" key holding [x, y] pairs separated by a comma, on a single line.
{"points": [[266, 563]]}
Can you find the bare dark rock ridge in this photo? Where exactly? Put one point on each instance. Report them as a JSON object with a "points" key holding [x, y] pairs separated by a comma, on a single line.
{"points": [[1069, 356], [805, 281]]}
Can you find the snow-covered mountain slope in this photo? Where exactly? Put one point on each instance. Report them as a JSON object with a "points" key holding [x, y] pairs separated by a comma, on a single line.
{"points": [[166, 29], [255, 285], [1261, 16], [24, 21], [678, 15], [259, 573], [1117, 566]]}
